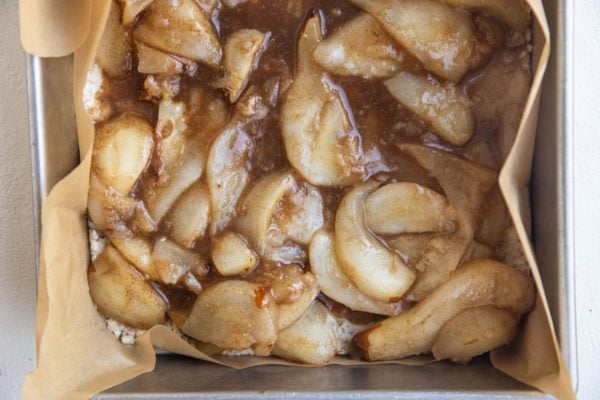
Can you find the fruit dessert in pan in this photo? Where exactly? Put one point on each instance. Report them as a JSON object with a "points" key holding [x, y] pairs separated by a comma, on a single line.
{"points": [[308, 178]]}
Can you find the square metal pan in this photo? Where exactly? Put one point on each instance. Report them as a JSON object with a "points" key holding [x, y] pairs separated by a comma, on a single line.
{"points": [[55, 153]]}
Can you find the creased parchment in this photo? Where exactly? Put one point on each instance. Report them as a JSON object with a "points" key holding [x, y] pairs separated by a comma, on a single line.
{"points": [[78, 357]]}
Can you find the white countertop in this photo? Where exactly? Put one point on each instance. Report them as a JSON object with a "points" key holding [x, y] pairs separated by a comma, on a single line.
{"points": [[17, 280]]}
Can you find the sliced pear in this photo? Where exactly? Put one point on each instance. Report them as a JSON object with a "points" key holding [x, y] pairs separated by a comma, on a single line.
{"points": [[122, 150], [152, 61], [514, 14], [172, 261], [142, 221], [436, 34], [227, 173], [259, 205], [336, 285], [136, 249], [107, 208], [287, 283], [405, 207], [444, 106], [242, 53], [234, 315], [312, 339], [132, 8], [161, 197], [289, 313], [474, 331], [232, 256], [121, 293], [320, 139], [476, 284], [182, 160], [465, 183], [189, 218], [360, 48], [180, 27], [114, 54], [440, 257], [301, 213], [374, 269]]}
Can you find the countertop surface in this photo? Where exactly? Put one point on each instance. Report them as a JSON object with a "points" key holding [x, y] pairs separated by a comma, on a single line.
{"points": [[17, 276]]}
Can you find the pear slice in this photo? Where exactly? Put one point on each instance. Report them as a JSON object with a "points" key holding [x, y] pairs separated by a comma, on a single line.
{"points": [[120, 292], [181, 28], [107, 208], [320, 139], [360, 48], [300, 213], [122, 150], [234, 315], [374, 269], [189, 218], [514, 14], [336, 285], [312, 339], [181, 157], [436, 34], [465, 183], [172, 261], [114, 54], [476, 284], [474, 331], [136, 249], [289, 313], [443, 106], [242, 53], [227, 173], [405, 207], [152, 61], [259, 205], [232, 256]]}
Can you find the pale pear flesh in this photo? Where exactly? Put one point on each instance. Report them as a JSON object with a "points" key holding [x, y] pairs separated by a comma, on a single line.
{"points": [[443, 106], [373, 268], [259, 205], [189, 217], [336, 285], [474, 331], [122, 150], [422, 27], [312, 339], [232, 255], [476, 284], [120, 292], [360, 48], [180, 27], [405, 207], [234, 315], [242, 53], [317, 130]]}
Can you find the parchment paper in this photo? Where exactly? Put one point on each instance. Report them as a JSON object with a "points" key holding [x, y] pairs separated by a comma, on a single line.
{"points": [[78, 357]]}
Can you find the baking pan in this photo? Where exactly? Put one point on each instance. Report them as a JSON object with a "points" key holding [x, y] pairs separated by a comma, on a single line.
{"points": [[55, 153]]}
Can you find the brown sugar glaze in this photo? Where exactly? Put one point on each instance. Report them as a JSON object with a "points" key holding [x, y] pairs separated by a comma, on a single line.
{"points": [[382, 122]]}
